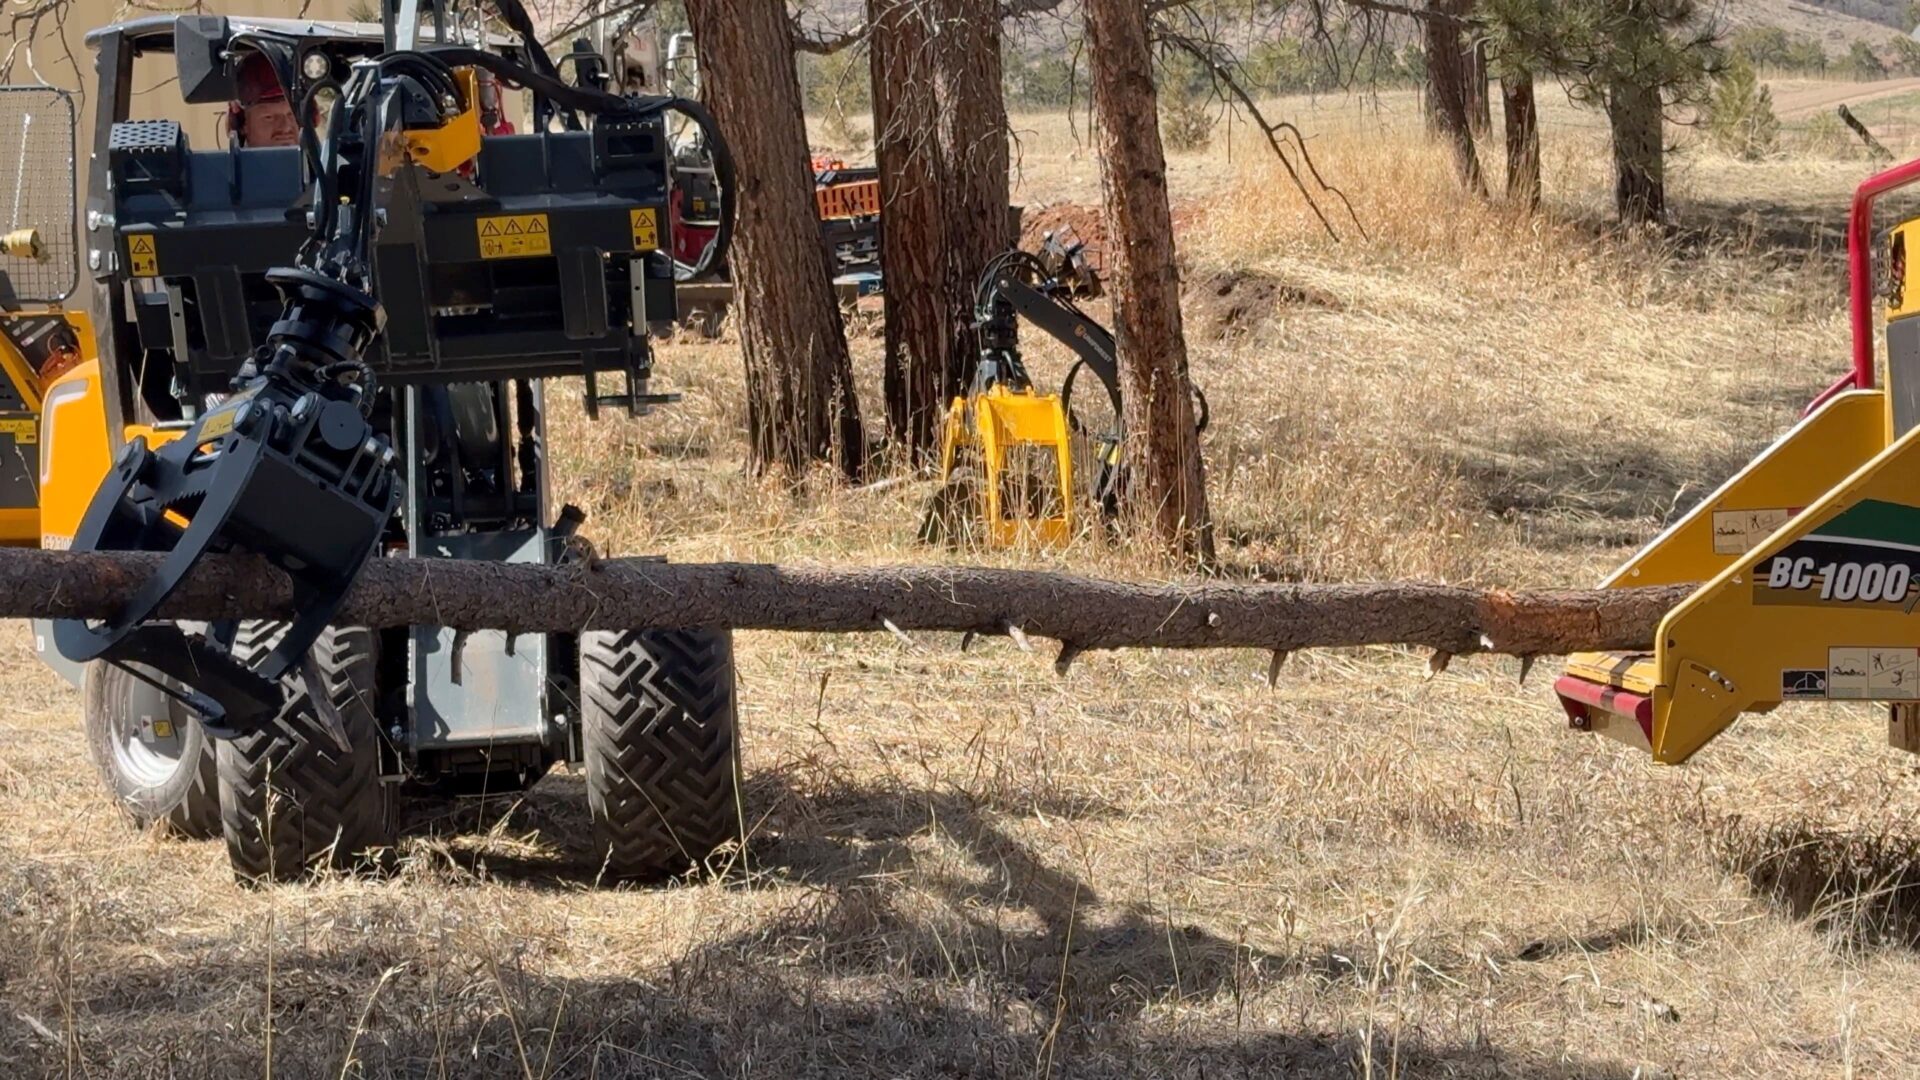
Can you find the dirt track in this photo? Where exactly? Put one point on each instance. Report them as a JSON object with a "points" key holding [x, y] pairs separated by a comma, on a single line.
{"points": [[1807, 100]]}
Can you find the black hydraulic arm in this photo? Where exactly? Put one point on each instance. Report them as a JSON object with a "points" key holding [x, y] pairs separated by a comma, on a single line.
{"points": [[1017, 286], [1067, 324], [291, 466]]}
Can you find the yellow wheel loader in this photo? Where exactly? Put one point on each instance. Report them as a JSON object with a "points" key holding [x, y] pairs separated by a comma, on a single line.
{"points": [[1808, 558], [327, 341], [39, 339]]}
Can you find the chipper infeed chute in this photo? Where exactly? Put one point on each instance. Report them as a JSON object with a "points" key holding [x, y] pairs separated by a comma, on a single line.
{"points": [[1810, 555]]}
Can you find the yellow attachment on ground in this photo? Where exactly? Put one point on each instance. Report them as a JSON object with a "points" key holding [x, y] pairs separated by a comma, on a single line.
{"points": [[1019, 438], [456, 142]]}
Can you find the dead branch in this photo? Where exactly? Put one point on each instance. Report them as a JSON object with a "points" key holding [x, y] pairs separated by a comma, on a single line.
{"points": [[1081, 613], [1229, 87]]}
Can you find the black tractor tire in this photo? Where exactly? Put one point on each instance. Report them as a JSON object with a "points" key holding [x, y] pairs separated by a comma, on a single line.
{"points": [[661, 743], [291, 801], [150, 751]]}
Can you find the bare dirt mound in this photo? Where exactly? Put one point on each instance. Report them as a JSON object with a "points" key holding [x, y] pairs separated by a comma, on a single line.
{"points": [[1072, 221], [1233, 302]]}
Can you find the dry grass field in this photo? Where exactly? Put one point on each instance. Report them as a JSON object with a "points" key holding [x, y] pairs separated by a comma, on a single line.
{"points": [[960, 865]]}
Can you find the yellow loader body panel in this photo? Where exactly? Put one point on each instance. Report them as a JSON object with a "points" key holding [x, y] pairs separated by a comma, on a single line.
{"points": [[57, 340], [76, 451]]}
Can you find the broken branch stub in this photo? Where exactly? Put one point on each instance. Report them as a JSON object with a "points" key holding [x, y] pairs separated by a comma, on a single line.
{"points": [[1091, 613]]}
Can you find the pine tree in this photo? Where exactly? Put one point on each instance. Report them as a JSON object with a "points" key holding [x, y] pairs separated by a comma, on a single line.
{"points": [[1740, 114], [1634, 59]]}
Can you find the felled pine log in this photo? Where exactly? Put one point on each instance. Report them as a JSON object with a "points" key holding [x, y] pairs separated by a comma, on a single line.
{"points": [[1080, 613]]}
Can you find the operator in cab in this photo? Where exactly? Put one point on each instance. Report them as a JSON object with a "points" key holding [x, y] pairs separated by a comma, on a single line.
{"points": [[262, 116]]}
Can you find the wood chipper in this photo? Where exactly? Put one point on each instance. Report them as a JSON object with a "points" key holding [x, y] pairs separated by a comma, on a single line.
{"points": [[325, 342], [1808, 558]]}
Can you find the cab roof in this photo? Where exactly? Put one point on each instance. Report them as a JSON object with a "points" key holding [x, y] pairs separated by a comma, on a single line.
{"points": [[154, 33]]}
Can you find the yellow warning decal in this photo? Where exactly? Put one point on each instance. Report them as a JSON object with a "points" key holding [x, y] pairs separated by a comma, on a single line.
{"points": [[142, 259], [646, 228], [216, 424], [23, 430], [514, 236]]}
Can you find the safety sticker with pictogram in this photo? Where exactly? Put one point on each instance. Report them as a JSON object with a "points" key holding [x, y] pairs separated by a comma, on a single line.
{"points": [[646, 228], [143, 260], [514, 236]]}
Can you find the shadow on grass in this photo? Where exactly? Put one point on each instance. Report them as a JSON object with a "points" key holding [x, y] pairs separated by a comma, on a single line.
{"points": [[915, 935], [1862, 886], [748, 1019]]}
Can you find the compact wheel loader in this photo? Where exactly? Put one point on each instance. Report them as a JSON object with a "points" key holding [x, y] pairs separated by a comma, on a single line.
{"points": [[1807, 559], [337, 350]]}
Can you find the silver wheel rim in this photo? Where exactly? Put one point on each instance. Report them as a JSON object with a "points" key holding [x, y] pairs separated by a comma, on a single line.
{"points": [[139, 754]]}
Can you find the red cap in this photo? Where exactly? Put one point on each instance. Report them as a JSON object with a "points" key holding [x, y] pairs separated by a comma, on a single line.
{"points": [[256, 80]]}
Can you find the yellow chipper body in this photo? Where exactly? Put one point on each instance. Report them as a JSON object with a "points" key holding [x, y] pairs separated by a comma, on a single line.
{"points": [[1809, 557]]}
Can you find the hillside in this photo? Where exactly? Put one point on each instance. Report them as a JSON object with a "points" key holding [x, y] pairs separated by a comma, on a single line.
{"points": [[1837, 23]]}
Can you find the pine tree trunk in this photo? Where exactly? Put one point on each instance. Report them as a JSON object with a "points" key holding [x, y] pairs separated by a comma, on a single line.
{"points": [[1479, 89], [941, 144], [973, 144], [1167, 476], [1447, 93], [915, 377], [1523, 140], [801, 409], [1639, 153]]}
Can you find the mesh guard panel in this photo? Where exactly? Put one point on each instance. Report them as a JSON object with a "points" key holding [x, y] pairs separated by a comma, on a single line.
{"points": [[37, 190]]}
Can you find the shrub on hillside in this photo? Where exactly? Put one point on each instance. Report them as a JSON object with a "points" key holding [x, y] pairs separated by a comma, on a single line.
{"points": [[1186, 122], [1863, 63], [1825, 136], [1739, 116], [1187, 94]]}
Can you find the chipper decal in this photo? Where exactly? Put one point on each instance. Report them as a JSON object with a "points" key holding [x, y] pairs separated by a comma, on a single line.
{"points": [[1867, 554]]}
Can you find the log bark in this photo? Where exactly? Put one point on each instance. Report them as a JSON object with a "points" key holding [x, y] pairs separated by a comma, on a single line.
{"points": [[1479, 88], [912, 241], [973, 145], [940, 140], [1636, 116], [1167, 478], [1081, 613], [801, 409]]}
